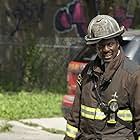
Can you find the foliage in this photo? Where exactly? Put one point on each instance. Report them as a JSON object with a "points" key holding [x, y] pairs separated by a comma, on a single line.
{"points": [[5, 126], [30, 105], [137, 27], [31, 63], [33, 66]]}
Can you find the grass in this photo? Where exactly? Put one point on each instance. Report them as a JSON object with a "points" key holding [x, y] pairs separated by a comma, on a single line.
{"points": [[30, 105]]}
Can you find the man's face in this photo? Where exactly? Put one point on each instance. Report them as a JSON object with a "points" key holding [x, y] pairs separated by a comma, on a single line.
{"points": [[107, 49]]}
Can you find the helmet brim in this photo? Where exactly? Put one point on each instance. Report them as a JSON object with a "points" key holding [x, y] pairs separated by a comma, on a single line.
{"points": [[98, 39]]}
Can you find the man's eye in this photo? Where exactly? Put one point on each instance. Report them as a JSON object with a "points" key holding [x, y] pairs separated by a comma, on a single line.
{"points": [[110, 44]]}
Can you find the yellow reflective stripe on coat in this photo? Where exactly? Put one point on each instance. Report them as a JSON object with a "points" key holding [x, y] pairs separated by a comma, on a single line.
{"points": [[92, 113], [138, 137], [125, 115], [71, 131], [97, 114]]}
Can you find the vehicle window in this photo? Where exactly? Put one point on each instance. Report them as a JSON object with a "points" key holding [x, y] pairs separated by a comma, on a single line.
{"points": [[137, 55], [132, 50], [124, 44], [74, 51], [86, 54]]}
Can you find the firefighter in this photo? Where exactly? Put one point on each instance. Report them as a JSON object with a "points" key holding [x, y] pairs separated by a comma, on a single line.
{"points": [[107, 103]]}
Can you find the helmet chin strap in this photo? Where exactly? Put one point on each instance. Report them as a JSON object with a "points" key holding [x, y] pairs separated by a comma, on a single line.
{"points": [[118, 52]]}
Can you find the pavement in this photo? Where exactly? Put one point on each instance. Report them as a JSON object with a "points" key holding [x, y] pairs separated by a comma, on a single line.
{"points": [[34, 129]]}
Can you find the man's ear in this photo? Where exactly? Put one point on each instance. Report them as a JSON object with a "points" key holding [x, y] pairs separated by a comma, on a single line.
{"points": [[117, 42]]}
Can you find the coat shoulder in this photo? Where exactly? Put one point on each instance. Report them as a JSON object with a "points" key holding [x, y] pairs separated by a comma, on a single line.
{"points": [[130, 66], [84, 75]]}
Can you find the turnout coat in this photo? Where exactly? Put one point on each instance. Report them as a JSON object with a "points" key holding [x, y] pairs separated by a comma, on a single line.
{"points": [[87, 120]]}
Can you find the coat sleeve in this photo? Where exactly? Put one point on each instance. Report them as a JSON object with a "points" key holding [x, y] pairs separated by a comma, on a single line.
{"points": [[134, 88], [74, 117]]}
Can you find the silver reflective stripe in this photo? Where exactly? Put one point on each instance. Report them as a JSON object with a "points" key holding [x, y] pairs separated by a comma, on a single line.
{"points": [[92, 113], [125, 115], [71, 131]]}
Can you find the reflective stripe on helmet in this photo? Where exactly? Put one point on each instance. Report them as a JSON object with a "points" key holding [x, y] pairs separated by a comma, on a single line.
{"points": [[97, 114], [71, 131]]}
